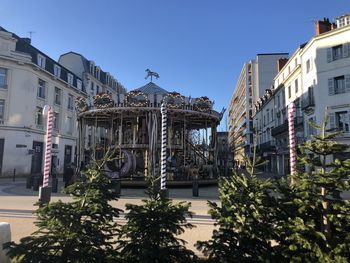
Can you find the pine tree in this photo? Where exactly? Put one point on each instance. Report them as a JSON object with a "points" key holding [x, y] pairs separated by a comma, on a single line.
{"points": [[313, 219], [150, 234], [83, 230], [244, 220]]}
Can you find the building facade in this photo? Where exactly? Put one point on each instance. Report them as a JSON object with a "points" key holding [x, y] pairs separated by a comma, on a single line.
{"points": [[256, 75], [317, 79], [29, 80], [225, 160], [94, 78]]}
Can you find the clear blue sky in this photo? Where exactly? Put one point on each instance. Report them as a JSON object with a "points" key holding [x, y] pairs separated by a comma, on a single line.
{"points": [[197, 46]]}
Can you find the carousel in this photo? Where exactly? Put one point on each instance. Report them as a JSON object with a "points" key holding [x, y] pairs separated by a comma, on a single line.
{"points": [[130, 126]]}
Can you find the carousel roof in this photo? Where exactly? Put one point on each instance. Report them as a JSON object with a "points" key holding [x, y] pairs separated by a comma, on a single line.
{"points": [[152, 88]]}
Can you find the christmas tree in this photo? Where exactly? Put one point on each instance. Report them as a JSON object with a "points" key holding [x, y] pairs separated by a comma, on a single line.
{"points": [[244, 219], [150, 234], [313, 218], [83, 230]]}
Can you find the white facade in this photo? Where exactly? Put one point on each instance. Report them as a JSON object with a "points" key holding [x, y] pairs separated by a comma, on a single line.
{"points": [[317, 79], [27, 83]]}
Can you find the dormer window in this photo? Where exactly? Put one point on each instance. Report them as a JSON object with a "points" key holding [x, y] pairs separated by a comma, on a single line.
{"points": [[70, 79], [92, 66], [57, 71], [41, 61], [79, 84]]}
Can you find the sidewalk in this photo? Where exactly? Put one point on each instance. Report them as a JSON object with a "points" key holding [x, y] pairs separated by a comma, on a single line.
{"points": [[17, 206]]}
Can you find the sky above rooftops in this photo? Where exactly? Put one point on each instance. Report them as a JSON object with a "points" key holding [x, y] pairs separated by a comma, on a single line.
{"points": [[198, 47]]}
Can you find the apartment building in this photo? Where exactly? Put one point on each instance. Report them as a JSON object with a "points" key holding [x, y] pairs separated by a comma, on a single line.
{"points": [[317, 79], [96, 81], [29, 80], [94, 78], [256, 75]]}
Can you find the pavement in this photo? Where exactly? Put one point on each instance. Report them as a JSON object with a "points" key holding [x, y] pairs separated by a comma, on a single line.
{"points": [[18, 203], [17, 206]]}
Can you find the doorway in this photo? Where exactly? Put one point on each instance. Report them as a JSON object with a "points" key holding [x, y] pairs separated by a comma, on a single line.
{"points": [[37, 158], [67, 156]]}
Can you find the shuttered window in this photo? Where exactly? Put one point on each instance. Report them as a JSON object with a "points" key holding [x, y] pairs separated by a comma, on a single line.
{"points": [[339, 85], [338, 52]]}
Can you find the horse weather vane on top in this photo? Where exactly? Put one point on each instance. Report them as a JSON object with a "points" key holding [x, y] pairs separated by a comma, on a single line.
{"points": [[151, 74]]}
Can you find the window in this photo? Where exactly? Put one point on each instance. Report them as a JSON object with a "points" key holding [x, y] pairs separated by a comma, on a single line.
{"points": [[41, 61], [69, 125], [272, 115], [339, 85], [92, 67], [97, 89], [295, 62], [58, 94], [340, 120], [39, 116], [289, 92], [308, 66], [41, 89], [79, 84], [92, 88], [56, 121], [3, 78], [70, 79], [296, 85], [337, 52], [57, 71], [70, 102], [2, 111]]}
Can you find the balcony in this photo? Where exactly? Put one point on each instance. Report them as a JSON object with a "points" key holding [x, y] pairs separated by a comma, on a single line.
{"points": [[299, 120], [308, 102], [280, 129], [267, 146]]}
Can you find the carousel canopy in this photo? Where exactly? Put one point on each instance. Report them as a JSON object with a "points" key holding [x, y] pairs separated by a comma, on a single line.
{"points": [[152, 88]]}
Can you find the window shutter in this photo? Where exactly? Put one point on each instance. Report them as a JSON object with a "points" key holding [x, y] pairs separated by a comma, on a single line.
{"points": [[329, 55], [330, 87], [346, 50], [331, 117], [347, 83]]}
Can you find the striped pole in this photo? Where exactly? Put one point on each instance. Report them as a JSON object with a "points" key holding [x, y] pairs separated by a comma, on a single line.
{"points": [[163, 111], [291, 111], [48, 143]]}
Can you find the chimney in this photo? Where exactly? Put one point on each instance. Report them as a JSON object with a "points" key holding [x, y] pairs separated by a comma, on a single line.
{"points": [[324, 26], [280, 63], [27, 40]]}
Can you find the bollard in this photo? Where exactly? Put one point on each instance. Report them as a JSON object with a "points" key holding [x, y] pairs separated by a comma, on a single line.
{"points": [[36, 183], [195, 190], [29, 181], [5, 236], [116, 186], [14, 175], [45, 194], [164, 193], [54, 185]]}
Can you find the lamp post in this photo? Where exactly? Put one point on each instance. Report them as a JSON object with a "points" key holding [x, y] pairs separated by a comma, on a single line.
{"points": [[45, 190], [163, 110]]}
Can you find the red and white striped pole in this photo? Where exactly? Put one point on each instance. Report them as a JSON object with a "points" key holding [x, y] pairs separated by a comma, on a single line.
{"points": [[292, 156], [48, 143]]}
